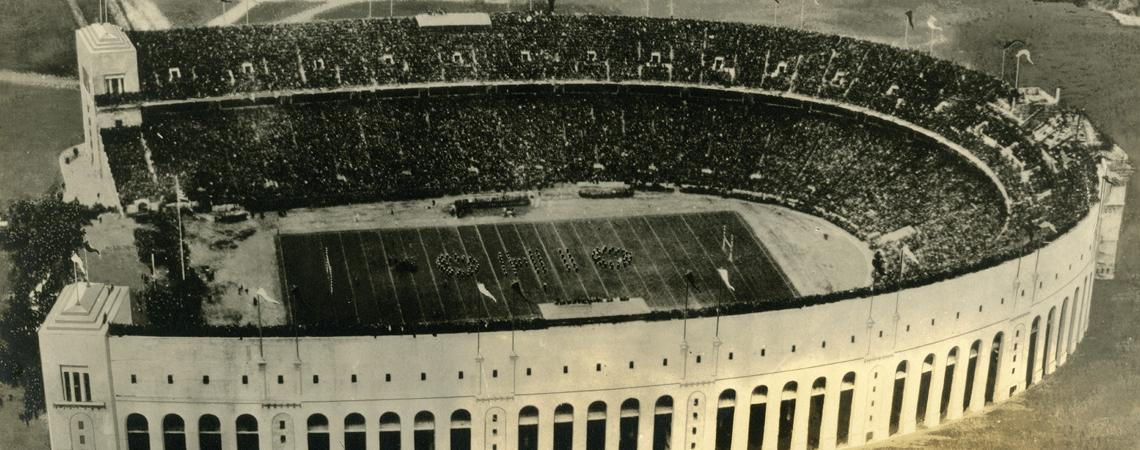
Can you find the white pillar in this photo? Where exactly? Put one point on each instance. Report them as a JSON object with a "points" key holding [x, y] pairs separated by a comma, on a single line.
{"points": [[830, 422], [958, 386], [934, 396], [772, 418], [579, 432], [910, 398], [740, 421], [978, 396], [613, 423], [800, 421], [545, 429]]}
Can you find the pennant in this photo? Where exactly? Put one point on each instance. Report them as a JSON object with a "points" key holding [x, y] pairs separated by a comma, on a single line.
{"points": [[483, 290], [89, 248], [724, 277], [910, 18], [932, 23], [1025, 53], [265, 296], [909, 254], [79, 262]]}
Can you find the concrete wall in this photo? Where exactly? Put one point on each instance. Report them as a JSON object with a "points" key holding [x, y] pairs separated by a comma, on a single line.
{"points": [[868, 337]]}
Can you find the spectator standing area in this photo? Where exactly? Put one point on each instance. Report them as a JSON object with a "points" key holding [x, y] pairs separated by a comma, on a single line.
{"points": [[431, 275]]}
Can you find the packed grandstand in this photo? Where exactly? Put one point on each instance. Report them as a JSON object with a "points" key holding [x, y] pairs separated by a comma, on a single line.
{"points": [[869, 176]]}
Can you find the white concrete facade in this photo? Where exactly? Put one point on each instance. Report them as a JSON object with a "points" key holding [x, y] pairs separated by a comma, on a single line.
{"points": [[757, 356]]}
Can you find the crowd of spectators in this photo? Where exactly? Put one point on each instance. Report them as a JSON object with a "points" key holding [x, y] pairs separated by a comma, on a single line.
{"points": [[871, 179]]}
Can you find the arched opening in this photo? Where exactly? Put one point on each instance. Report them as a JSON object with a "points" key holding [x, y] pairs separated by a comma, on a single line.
{"points": [[355, 433], [815, 411], [897, 397], [138, 432], [846, 399], [389, 431], [1062, 328], [662, 423], [528, 428], [461, 430], [787, 415], [725, 409], [971, 373], [281, 431], [948, 382], [757, 412], [173, 432], [423, 430], [209, 432], [1047, 356], [596, 426], [924, 381], [81, 433], [247, 436], [1031, 358], [1074, 321], [564, 427], [627, 427], [995, 366], [318, 432]]}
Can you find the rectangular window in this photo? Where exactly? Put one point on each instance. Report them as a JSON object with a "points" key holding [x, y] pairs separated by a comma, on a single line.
{"points": [[281, 379], [205, 379], [495, 373], [67, 386], [76, 384], [170, 379], [387, 377], [528, 371], [460, 374], [316, 379], [245, 379], [113, 84], [354, 378], [134, 379]]}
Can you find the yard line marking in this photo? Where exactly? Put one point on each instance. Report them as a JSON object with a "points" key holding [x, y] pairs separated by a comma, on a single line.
{"points": [[669, 256], [348, 275], [610, 224], [482, 299], [556, 233], [412, 277], [553, 268], [530, 305], [691, 260], [286, 290], [710, 258], [368, 271], [574, 227], [768, 257], [652, 261], [483, 245], [388, 270], [435, 283]]}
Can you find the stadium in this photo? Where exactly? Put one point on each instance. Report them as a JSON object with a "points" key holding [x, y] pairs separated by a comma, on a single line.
{"points": [[536, 231]]}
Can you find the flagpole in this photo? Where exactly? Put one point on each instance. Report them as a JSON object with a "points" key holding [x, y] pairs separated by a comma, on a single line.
{"points": [[932, 41], [775, 14], [906, 34], [803, 3], [178, 206], [260, 337]]}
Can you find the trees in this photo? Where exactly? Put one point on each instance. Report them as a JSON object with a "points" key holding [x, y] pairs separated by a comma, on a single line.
{"points": [[41, 236]]}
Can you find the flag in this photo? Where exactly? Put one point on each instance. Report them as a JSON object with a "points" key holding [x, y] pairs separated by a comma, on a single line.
{"points": [[88, 247], [79, 262], [691, 279], [724, 277], [483, 290], [910, 18], [1025, 53], [1012, 43], [932, 23], [909, 254], [265, 296]]}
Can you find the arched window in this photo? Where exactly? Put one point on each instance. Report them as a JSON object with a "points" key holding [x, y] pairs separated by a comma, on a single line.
{"points": [[209, 432], [948, 382], [897, 397], [389, 431], [1074, 320], [925, 379], [1031, 358], [528, 428], [627, 426], [725, 410], [461, 430], [662, 422], [971, 373], [173, 432], [423, 431], [564, 427], [247, 436], [995, 366], [1047, 355], [757, 412], [596, 426], [815, 411], [787, 415], [138, 433], [1063, 326], [355, 434], [318, 427], [846, 399]]}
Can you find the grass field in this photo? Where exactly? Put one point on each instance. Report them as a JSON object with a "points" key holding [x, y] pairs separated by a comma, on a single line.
{"points": [[397, 276]]}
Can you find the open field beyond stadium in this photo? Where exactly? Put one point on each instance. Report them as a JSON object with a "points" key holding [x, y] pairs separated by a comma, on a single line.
{"points": [[418, 275]]}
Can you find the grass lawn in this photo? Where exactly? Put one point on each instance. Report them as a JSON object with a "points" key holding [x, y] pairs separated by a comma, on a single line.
{"points": [[41, 123], [37, 36]]}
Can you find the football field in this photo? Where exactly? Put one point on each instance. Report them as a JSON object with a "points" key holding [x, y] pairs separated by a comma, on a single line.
{"points": [[432, 274]]}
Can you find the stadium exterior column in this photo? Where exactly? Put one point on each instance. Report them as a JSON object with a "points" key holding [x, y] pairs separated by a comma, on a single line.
{"points": [[336, 431], [372, 432], [958, 389], [978, 396], [830, 421], [613, 423], [910, 398], [478, 422], [740, 422], [154, 426], [858, 417], [579, 432], [880, 403], [443, 431], [1038, 353], [408, 430], [680, 421], [800, 421], [545, 427], [934, 396], [190, 425], [646, 413], [772, 418], [1063, 325], [1050, 362]]}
